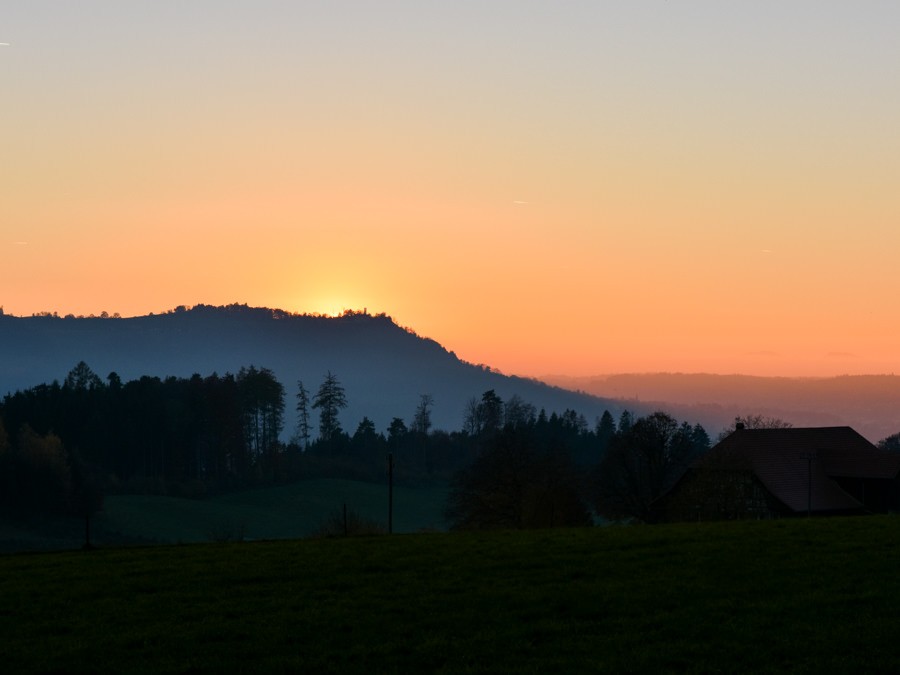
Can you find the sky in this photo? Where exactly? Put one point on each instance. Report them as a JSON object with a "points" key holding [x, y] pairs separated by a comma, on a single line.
{"points": [[577, 187]]}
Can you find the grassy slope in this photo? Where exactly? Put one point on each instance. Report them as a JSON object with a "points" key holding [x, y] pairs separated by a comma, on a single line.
{"points": [[287, 511], [801, 596]]}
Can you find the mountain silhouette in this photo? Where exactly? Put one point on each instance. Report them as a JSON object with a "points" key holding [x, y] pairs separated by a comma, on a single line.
{"points": [[383, 367]]}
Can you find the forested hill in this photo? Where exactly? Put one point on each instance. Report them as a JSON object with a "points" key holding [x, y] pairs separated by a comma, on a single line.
{"points": [[384, 368]]}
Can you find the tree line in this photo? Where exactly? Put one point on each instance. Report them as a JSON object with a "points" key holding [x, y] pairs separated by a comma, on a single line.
{"points": [[510, 465]]}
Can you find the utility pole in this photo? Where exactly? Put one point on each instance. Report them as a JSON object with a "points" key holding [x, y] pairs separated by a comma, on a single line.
{"points": [[809, 457], [390, 493]]}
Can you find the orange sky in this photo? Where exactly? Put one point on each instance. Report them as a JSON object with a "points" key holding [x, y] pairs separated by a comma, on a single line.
{"points": [[573, 189]]}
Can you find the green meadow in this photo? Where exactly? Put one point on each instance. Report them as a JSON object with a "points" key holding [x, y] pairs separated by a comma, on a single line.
{"points": [[819, 595], [283, 512], [288, 511]]}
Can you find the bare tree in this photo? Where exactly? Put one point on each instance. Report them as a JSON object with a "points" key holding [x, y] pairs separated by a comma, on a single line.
{"points": [[517, 412], [471, 424], [422, 418], [302, 415], [754, 422]]}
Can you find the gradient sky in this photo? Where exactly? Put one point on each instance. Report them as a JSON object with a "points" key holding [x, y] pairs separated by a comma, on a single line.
{"points": [[567, 187]]}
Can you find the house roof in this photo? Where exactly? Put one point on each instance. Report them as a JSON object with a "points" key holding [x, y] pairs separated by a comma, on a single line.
{"points": [[797, 465]]}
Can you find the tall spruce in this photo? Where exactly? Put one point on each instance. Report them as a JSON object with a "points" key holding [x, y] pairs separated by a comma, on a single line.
{"points": [[329, 400]]}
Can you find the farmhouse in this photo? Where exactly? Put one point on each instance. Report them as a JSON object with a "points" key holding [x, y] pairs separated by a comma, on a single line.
{"points": [[772, 473]]}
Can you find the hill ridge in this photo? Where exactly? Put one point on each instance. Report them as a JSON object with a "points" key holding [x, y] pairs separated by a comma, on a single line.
{"points": [[383, 366]]}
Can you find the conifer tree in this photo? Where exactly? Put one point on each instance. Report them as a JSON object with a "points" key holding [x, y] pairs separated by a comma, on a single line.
{"points": [[329, 400]]}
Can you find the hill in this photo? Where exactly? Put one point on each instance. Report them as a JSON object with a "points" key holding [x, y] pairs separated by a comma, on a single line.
{"points": [[868, 403], [802, 595], [383, 367]]}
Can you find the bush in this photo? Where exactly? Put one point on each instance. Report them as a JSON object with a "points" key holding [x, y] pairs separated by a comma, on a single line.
{"points": [[517, 483], [347, 523]]}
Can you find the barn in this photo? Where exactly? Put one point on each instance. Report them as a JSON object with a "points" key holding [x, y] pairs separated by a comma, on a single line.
{"points": [[774, 473]]}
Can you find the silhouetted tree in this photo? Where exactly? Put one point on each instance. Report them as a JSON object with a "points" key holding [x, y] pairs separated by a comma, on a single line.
{"points": [[149, 433], [302, 415], [574, 421], [420, 427], [81, 378], [490, 412], [626, 419], [641, 464], [329, 400], [114, 382], [515, 483], [605, 431], [470, 416], [754, 422], [699, 439], [366, 442], [517, 412], [262, 396], [891, 443], [422, 417], [35, 474], [396, 431]]}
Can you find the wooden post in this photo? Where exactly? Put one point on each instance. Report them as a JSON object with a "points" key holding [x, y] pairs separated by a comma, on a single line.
{"points": [[345, 519]]}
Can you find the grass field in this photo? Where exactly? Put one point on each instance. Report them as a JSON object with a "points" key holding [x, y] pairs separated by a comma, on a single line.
{"points": [[288, 511], [779, 596]]}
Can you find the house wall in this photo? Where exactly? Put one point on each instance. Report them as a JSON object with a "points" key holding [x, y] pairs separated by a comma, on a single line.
{"points": [[718, 494]]}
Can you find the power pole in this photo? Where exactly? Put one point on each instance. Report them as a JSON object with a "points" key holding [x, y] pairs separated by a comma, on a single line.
{"points": [[390, 493], [809, 457]]}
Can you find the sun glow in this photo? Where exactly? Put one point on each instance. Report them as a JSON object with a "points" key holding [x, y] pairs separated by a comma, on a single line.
{"points": [[332, 307]]}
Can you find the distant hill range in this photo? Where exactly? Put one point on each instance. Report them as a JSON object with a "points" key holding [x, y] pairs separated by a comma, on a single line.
{"points": [[868, 403], [383, 367]]}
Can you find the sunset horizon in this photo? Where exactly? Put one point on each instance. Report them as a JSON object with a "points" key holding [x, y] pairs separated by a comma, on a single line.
{"points": [[579, 190], [408, 336], [501, 366]]}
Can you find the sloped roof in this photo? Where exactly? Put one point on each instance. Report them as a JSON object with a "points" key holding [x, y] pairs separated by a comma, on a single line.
{"points": [[796, 465]]}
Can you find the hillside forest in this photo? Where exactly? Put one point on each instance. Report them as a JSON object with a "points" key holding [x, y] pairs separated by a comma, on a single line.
{"points": [[64, 445]]}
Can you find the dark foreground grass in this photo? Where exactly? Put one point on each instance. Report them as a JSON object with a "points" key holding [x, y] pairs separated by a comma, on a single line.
{"points": [[801, 596]]}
